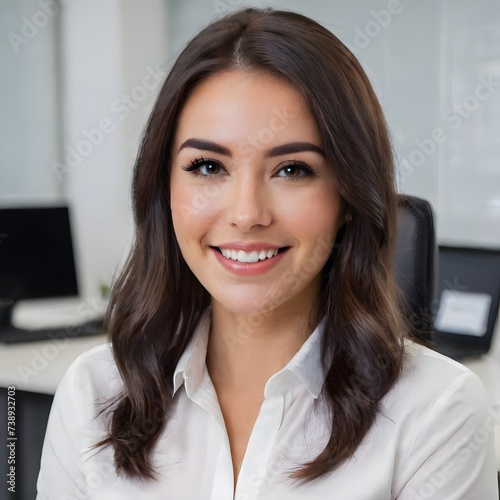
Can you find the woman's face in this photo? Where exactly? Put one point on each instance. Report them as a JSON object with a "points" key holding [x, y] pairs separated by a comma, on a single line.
{"points": [[254, 207]]}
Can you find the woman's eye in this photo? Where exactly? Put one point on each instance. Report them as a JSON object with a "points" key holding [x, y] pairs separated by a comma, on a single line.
{"points": [[210, 168], [295, 171], [204, 168]]}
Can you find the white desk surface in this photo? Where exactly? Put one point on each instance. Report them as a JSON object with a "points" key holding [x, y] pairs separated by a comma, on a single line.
{"points": [[39, 366]]}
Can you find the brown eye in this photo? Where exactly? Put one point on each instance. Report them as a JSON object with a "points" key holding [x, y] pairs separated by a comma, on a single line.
{"points": [[292, 171], [210, 168], [205, 167], [295, 171]]}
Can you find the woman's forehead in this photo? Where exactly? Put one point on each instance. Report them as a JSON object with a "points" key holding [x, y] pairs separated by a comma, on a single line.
{"points": [[236, 105]]}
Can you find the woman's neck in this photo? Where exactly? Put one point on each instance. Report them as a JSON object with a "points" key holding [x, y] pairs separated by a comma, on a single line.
{"points": [[246, 350]]}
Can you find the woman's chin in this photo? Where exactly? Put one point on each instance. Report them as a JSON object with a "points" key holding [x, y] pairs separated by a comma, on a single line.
{"points": [[255, 305]]}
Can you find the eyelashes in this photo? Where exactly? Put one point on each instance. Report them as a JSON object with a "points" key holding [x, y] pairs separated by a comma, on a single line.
{"points": [[289, 170]]}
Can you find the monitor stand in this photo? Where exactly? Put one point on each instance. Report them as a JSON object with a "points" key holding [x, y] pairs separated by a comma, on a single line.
{"points": [[7, 327], [6, 310]]}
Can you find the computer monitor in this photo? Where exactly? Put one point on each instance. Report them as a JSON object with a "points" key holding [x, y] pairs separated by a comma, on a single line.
{"points": [[469, 300], [36, 256]]}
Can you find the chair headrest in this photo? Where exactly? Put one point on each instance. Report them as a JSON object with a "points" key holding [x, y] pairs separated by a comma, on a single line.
{"points": [[416, 259]]}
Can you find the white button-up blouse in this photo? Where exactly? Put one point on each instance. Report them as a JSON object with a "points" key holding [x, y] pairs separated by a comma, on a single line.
{"points": [[433, 438]]}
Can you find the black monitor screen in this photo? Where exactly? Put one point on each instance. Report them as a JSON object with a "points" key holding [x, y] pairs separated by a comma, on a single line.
{"points": [[36, 254], [469, 271]]}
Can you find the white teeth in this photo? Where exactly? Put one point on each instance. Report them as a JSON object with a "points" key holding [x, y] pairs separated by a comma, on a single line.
{"points": [[242, 256], [251, 257]]}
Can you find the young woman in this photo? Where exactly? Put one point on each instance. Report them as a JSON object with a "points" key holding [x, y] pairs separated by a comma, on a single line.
{"points": [[257, 347]]}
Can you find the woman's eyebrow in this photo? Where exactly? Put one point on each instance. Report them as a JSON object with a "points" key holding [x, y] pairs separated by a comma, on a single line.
{"points": [[204, 145], [282, 149], [294, 147]]}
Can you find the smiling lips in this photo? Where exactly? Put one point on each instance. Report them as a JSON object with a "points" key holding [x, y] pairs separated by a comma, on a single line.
{"points": [[250, 261]]}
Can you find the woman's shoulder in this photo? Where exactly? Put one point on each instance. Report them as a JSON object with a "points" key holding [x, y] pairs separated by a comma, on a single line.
{"points": [[441, 421], [429, 379], [78, 419], [422, 363]]}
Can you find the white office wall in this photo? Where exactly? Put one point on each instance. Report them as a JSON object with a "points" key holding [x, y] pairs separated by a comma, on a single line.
{"points": [[469, 187], [29, 111], [113, 57]]}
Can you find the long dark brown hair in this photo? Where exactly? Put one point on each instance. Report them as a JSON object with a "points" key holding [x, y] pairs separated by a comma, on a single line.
{"points": [[157, 301]]}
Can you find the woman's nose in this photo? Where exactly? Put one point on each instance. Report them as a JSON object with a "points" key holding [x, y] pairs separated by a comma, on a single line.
{"points": [[249, 204]]}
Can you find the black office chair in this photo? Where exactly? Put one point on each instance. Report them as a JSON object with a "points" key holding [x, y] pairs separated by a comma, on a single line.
{"points": [[416, 264]]}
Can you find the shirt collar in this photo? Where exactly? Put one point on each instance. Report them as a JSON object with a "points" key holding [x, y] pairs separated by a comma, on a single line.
{"points": [[304, 368], [191, 366]]}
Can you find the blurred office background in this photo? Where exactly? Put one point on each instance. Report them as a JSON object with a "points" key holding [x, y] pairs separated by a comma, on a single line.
{"points": [[78, 78]]}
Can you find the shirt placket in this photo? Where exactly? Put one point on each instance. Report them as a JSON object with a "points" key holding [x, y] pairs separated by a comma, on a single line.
{"points": [[253, 473], [206, 398]]}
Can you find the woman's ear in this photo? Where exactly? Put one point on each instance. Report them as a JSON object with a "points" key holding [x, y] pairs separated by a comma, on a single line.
{"points": [[345, 214]]}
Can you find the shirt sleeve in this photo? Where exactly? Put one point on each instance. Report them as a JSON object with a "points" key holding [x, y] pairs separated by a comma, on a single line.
{"points": [[452, 456], [66, 468]]}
